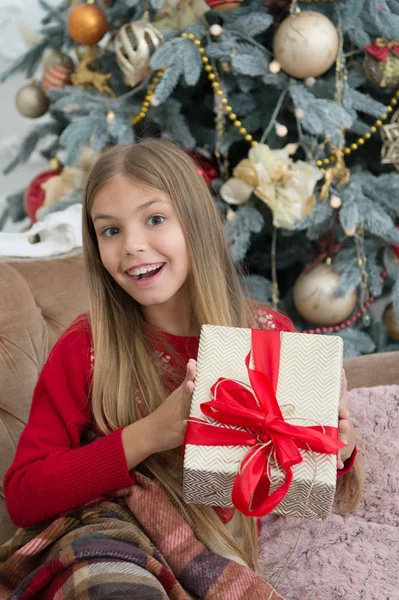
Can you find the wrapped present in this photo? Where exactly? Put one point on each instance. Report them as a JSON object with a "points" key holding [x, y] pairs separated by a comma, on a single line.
{"points": [[263, 428]]}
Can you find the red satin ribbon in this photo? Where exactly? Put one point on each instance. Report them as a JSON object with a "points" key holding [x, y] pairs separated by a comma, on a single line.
{"points": [[235, 404]]}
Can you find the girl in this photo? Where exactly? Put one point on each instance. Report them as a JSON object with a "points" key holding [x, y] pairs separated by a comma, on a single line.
{"points": [[158, 267]]}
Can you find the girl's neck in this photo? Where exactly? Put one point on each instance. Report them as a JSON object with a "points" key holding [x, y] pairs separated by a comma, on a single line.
{"points": [[173, 316]]}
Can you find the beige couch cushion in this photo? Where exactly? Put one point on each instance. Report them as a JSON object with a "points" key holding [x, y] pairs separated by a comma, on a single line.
{"points": [[39, 299]]}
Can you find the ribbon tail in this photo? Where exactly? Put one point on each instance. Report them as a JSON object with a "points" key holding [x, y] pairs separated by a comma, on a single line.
{"points": [[251, 487]]}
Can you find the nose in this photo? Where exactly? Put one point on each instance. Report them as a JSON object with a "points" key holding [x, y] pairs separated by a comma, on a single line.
{"points": [[134, 242]]}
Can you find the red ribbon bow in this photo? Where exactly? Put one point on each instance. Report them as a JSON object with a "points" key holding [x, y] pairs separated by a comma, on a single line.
{"points": [[258, 411], [380, 48]]}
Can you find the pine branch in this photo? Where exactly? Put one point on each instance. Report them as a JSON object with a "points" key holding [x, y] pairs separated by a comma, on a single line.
{"points": [[30, 142], [27, 63]]}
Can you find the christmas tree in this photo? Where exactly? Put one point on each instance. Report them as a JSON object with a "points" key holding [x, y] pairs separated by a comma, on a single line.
{"points": [[291, 110]]}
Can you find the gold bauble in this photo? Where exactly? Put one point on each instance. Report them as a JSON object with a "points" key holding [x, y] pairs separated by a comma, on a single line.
{"points": [[315, 300], [31, 101], [391, 322], [306, 45], [87, 24], [135, 43]]}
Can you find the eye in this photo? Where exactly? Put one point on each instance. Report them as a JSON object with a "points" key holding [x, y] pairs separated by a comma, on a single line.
{"points": [[156, 220], [110, 232]]}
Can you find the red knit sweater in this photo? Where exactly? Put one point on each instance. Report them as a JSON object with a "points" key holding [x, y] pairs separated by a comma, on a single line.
{"points": [[52, 472]]}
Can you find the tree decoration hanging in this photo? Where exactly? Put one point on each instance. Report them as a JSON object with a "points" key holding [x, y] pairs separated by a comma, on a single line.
{"points": [[338, 174], [31, 101], [395, 250], [391, 322], [204, 167], [224, 6], [35, 193], [87, 23], [306, 44], [367, 136], [390, 139], [179, 15], [57, 70], [315, 299], [56, 57], [287, 187], [84, 76], [381, 62], [135, 43]]}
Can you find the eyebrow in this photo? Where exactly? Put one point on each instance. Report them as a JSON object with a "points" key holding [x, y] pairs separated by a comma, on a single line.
{"points": [[142, 207]]}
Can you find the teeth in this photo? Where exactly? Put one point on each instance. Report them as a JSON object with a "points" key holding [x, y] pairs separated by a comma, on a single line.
{"points": [[141, 270]]}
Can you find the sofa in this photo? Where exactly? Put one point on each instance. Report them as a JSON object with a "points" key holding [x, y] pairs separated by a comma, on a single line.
{"points": [[40, 299]]}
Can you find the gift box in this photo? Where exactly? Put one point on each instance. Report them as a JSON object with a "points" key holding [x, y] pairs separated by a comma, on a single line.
{"points": [[263, 429]]}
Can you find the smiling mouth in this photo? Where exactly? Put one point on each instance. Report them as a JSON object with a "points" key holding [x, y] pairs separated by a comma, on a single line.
{"points": [[148, 274]]}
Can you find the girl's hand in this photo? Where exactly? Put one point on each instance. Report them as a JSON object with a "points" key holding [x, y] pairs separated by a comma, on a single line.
{"points": [[346, 431], [169, 421]]}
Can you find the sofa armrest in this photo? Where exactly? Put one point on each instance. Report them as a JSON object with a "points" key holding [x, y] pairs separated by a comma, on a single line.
{"points": [[371, 370]]}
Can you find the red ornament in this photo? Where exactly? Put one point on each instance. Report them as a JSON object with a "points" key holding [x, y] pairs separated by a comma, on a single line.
{"points": [[204, 167], [395, 249], [35, 194], [55, 76], [223, 5]]}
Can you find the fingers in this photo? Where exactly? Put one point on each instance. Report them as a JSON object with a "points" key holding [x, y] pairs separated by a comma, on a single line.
{"points": [[343, 430], [190, 376], [343, 426], [340, 464], [344, 381], [188, 387], [191, 370], [343, 403]]}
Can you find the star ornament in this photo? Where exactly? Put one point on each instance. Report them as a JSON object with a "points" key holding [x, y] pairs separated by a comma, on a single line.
{"points": [[390, 139]]}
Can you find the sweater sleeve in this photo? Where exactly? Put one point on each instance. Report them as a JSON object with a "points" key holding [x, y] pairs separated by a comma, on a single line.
{"points": [[51, 472]]}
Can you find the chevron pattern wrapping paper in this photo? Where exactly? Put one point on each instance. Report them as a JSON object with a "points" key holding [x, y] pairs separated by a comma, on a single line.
{"points": [[308, 393]]}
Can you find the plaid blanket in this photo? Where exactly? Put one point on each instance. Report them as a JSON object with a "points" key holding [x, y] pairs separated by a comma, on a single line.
{"points": [[137, 547]]}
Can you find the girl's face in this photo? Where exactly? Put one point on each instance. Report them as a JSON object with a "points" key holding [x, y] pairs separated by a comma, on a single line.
{"points": [[141, 242]]}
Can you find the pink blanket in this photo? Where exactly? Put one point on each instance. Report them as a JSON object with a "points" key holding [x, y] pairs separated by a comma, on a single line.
{"points": [[353, 557]]}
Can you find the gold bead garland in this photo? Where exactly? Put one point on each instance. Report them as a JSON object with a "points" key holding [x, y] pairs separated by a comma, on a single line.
{"points": [[360, 141], [213, 78], [146, 102]]}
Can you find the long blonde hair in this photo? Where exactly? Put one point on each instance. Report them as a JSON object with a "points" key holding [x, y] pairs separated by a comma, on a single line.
{"points": [[124, 368]]}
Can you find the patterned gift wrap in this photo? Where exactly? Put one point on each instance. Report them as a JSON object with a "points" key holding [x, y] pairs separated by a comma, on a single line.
{"points": [[307, 389]]}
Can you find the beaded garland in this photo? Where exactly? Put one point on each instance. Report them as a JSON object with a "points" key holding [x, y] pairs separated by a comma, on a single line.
{"points": [[212, 76], [360, 141]]}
